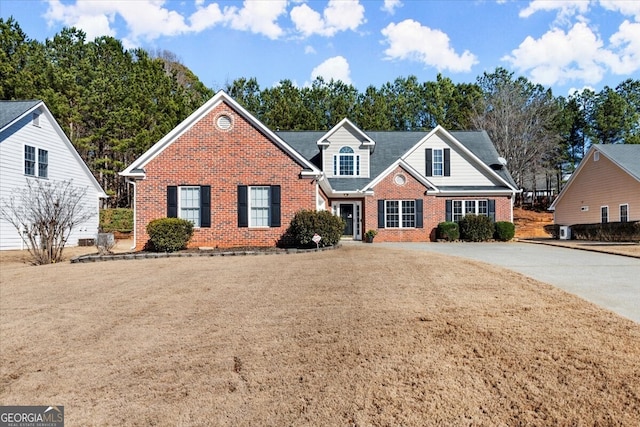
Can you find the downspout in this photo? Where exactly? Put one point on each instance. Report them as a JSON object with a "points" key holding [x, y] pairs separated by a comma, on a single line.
{"points": [[135, 228]]}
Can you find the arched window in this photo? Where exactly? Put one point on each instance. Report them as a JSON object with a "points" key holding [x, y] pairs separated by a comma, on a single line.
{"points": [[347, 162]]}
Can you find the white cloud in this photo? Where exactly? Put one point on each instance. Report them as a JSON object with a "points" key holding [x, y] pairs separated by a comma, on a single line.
{"points": [[259, 17], [409, 40], [578, 55], [336, 68], [625, 7], [390, 6], [558, 57], [565, 8], [309, 49], [627, 43], [150, 19], [339, 15]]}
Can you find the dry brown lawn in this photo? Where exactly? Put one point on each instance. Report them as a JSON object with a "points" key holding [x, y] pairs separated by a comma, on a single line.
{"points": [[359, 336]]}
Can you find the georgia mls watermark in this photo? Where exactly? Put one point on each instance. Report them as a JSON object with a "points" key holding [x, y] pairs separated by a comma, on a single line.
{"points": [[31, 416]]}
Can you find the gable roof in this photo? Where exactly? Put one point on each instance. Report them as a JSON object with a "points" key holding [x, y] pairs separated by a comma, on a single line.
{"points": [[391, 146], [11, 111], [136, 168], [625, 156]]}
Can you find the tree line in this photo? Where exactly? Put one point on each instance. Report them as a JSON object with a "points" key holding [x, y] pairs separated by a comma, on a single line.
{"points": [[115, 103]]}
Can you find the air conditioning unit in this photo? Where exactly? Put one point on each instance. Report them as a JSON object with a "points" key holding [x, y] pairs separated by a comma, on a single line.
{"points": [[565, 232]]}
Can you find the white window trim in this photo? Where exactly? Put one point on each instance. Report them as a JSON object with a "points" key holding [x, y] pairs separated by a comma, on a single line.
{"points": [[355, 161], [36, 161], [620, 212], [433, 162], [250, 207], [180, 188], [463, 206], [608, 216], [400, 214]]}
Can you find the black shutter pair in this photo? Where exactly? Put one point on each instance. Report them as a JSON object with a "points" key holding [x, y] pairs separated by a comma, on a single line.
{"points": [[243, 206], [418, 213], [446, 160], [205, 204]]}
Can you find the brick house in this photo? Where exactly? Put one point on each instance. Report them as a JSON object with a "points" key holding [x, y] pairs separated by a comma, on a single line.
{"points": [[241, 183]]}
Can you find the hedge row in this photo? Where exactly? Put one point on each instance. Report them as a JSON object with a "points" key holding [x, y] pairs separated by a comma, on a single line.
{"points": [[476, 228]]}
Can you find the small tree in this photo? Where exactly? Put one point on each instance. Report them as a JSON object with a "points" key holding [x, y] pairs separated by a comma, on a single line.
{"points": [[45, 213]]}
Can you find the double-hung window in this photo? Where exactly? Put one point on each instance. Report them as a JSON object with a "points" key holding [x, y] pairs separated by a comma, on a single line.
{"points": [[346, 163], [29, 160], [259, 206], [438, 162], [457, 209], [31, 163], [604, 214], [190, 204], [624, 213], [402, 213]]}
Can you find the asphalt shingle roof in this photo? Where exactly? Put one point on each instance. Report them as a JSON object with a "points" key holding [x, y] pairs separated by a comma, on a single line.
{"points": [[11, 110], [389, 147]]}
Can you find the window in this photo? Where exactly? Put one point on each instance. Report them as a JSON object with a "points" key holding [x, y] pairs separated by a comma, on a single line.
{"points": [[29, 160], [457, 209], [347, 163], [438, 163], [259, 206], [400, 214], [624, 213], [43, 163], [35, 119], [604, 214], [190, 204]]}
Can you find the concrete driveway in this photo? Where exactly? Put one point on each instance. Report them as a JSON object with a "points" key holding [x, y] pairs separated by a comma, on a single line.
{"points": [[610, 281]]}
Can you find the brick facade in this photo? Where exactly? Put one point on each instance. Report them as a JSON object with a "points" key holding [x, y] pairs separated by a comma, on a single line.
{"points": [[434, 208], [223, 159]]}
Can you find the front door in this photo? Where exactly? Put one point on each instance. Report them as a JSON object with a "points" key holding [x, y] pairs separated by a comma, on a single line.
{"points": [[346, 212]]}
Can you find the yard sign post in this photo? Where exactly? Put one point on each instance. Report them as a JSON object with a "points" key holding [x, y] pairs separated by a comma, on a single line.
{"points": [[316, 238]]}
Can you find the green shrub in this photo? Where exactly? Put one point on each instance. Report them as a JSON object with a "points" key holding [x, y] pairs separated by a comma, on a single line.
{"points": [[119, 219], [505, 231], [476, 228], [607, 232], [448, 231], [169, 234], [306, 223]]}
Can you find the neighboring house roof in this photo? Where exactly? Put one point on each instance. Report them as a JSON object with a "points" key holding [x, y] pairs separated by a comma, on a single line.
{"points": [[13, 111], [136, 169], [625, 156], [10, 111], [390, 146]]}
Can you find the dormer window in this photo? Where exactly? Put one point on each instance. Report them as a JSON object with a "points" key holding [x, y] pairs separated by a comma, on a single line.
{"points": [[347, 163]]}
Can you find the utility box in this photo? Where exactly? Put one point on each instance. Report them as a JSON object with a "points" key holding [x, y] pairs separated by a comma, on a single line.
{"points": [[565, 232]]}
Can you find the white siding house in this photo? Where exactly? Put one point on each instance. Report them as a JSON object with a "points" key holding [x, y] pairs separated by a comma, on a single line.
{"points": [[33, 146]]}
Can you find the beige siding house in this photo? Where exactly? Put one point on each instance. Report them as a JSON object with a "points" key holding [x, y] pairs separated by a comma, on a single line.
{"points": [[604, 188]]}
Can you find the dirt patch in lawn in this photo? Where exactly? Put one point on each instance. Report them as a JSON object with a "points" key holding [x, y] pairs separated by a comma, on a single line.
{"points": [[356, 336]]}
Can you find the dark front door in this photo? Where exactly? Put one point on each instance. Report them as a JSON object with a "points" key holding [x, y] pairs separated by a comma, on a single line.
{"points": [[346, 212]]}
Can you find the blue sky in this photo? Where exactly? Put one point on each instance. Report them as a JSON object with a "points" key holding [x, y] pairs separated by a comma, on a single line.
{"points": [[562, 44]]}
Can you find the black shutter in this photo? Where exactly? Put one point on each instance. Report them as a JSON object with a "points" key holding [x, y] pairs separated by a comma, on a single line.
{"points": [[380, 213], [447, 162], [491, 209], [429, 161], [172, 201], [419, 223], [275, 206], [449, 211], [205, 206], [243, 213]]}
